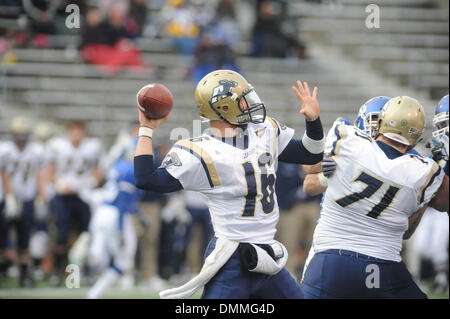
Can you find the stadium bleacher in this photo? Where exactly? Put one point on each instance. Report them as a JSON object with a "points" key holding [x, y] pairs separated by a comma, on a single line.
{"points": [[349, 64]]}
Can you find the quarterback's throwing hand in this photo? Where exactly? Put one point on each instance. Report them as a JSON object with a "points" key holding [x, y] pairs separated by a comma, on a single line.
{"points": [[310, 105], [151, 123]]}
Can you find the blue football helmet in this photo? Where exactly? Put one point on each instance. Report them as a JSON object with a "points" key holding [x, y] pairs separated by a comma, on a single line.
{"points": [[440, 119], [367, 111]]}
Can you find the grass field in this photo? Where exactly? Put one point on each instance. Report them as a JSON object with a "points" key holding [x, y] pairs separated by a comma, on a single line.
{"points": [[9, 290], [43, 290]]}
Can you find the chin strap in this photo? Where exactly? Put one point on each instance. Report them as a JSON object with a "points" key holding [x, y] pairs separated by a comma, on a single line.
{"points": [[218, 114]]}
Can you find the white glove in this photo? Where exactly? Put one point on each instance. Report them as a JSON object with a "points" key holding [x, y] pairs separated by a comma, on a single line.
{"points": [[40, 209], [12, 207]]}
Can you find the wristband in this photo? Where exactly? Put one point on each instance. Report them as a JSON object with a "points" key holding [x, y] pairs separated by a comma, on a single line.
{"points": [[313, 146], [146, 131], [323, 180]]}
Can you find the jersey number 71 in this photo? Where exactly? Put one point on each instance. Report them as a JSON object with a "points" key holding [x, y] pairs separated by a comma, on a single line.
{"points": [[373, 185]]}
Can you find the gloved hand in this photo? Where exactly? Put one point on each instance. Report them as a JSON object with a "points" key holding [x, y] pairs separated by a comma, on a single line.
{"points": [[439, 148], [328, 167], [12, 207]]}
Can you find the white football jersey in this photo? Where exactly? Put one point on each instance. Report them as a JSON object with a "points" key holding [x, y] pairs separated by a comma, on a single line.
{"points": [[370, 197], [195, 200], [46, 160], [23, 167], [74, 164], [237, 181]]}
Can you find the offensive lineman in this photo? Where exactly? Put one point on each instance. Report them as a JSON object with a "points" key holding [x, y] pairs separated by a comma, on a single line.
{"points": [[233, 166], [367, 121], [374, 191], [113, 243]]}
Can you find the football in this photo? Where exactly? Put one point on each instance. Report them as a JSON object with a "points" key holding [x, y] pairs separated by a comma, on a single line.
{"points": [[155, 100]]}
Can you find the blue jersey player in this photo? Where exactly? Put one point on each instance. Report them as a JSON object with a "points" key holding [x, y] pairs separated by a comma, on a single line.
{"points": [[113, 235]]}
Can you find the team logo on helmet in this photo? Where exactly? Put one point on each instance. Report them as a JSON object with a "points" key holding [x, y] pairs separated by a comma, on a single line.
{"points": [[222, 90], [414, 131]]}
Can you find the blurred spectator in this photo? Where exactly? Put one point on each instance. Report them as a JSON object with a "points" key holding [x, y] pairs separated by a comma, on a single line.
{"points": [[226, 21], [135, 14], [106, 44], [298, 215], [138, 16], [7, 55], [179, 19], [217, 41], [42, 15], [269, 40], [41, 22], [105, 6], [46, 18], [213, 53]]}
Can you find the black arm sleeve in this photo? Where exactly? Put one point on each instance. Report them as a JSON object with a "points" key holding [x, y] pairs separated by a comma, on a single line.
{"points": [[314, 129], [156, 180], [296, 153]]}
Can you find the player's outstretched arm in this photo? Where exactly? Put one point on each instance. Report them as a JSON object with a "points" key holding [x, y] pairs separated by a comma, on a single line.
{"points": [[309, 103], [316, 183], [146, 176], [312, 169], [310, 149], [312, 185]]}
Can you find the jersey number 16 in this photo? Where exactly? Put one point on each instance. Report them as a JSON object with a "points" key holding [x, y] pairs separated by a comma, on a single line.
{"points": [[267, 186]]}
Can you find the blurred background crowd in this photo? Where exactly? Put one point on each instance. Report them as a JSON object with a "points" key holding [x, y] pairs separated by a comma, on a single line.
{"points": [[70, 85]]}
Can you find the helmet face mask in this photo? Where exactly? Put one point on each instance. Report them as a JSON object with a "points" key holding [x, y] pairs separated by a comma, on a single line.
{"points": [[253, 109], [440, 119], [440, 122], [227, 96], [369, 123], [367, 120]]}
